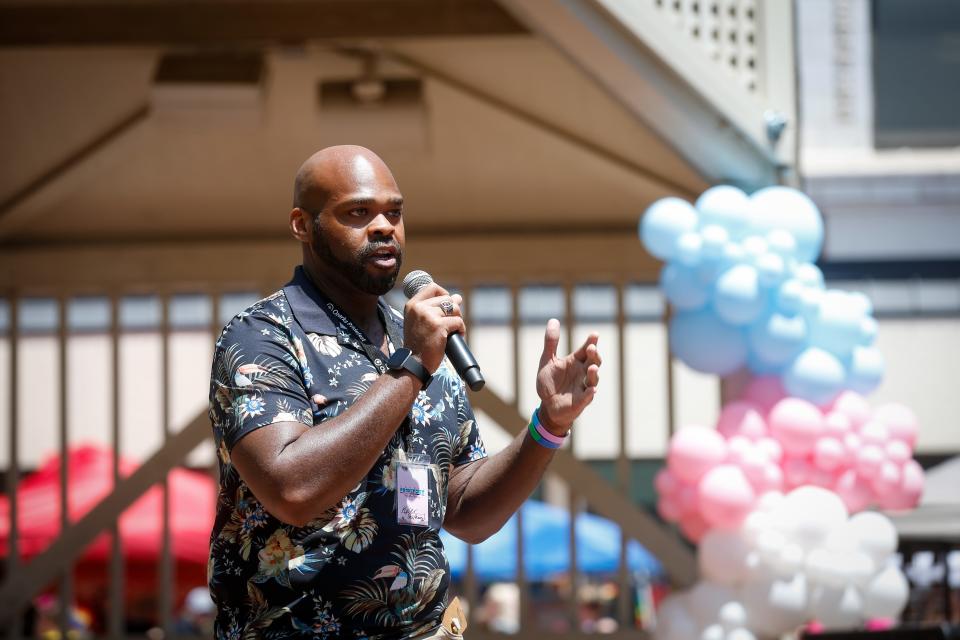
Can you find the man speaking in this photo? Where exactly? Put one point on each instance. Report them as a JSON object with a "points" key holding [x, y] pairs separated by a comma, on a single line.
{"points": [[346, 439]]}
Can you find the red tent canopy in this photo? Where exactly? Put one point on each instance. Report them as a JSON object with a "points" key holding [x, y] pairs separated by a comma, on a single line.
{"points": [[90, 479]]}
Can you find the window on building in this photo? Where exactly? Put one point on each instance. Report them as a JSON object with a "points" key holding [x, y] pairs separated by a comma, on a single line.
{"points": [[916, 66]]}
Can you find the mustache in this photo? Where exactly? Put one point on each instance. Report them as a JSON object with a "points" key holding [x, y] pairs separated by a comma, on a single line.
{"points": [[372, 247]]}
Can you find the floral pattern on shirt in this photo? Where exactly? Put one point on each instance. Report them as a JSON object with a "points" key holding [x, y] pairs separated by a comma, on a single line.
{"points": [[353, 572]]}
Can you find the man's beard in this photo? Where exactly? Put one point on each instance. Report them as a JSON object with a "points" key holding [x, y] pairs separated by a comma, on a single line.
{"points": [[354, 270]]}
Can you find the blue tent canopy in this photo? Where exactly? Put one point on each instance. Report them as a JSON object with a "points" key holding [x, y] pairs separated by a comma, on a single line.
{"points": [[546, 547]]}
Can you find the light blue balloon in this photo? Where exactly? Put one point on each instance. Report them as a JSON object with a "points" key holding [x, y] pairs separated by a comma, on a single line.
{"points": [[683, 288], [782, 243], [776, 340], [755, 246], [788, 209], [789, 297], [738, 298], [809, 274], [689, 248], [868, 331], [836, 324], [726, 206], [663, 223], [815, 375], [865, 370], [771, 269], [714, 238], [760, 368], [705, 343], [733, 254]]}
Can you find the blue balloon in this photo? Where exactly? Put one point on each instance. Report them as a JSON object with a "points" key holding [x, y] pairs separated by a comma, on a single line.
{"points": [[726, 206], [815, 375], [868, 331], [705, 343], [738, 298], [688, 249], [771, 268], [836, 324], [715, 239], [782, 243], [809, 274], [789, 297], [760, 368], [683, 288], [790, 210], [777, 339], [866, 370], [663, 223]]}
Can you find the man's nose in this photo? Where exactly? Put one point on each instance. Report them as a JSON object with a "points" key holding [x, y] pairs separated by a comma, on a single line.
{"points": [[381, 225]]}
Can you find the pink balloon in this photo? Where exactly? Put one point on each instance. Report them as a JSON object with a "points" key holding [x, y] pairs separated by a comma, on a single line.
{"points": [[869, 459], [668, 508], [854, 406], [796, 424], [796, 472], [897, 451], [887, 478], [854, 491], [764, 392], [737, 446], [754, 463], [686, 498], [772, 448], [725, 497], [693, 451], [772, 479], [852, 443], [742, 418], [822, 478], [829, 454], [694, 526], [665, 483], [908, 494], [901, 422], [874, 432], [837, 424]]}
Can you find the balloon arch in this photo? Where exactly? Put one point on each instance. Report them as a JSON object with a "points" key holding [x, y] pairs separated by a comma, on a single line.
{"points": [[776, 494]]}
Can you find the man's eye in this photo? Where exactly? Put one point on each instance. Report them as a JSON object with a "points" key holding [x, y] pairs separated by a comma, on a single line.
{"points": [[358, 212], [395, 213]]}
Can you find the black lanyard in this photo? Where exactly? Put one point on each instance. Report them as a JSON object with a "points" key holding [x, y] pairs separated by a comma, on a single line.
{"points": [[376, 356]]}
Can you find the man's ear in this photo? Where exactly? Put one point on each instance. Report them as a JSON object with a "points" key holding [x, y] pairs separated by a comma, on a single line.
{"points": [[300, 224]]}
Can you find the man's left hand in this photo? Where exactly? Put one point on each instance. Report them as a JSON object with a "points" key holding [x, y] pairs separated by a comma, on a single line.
{"points": [[566, 385]]}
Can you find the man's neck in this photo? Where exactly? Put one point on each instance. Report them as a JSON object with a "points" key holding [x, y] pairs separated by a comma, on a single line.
{"points": [[359, 306]]}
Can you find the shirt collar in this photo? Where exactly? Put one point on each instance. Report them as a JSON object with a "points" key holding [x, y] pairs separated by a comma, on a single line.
{"points": [[308, 305]]}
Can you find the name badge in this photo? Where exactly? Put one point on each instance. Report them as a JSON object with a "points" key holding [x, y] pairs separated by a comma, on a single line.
{"points": [[413, 493]]}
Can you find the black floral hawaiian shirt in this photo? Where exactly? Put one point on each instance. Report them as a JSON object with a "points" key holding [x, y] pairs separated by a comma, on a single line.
{"points": [[354, 572]]}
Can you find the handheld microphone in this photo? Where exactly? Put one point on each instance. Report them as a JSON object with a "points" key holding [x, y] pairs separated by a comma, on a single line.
{"points": [[457, 350]]}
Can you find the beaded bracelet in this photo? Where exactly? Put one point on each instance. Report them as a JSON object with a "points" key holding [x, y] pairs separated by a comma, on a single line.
{"points": [[540, 434]]}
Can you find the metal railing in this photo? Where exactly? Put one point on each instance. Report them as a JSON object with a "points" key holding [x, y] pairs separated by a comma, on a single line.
{"points": [[585, 487]]}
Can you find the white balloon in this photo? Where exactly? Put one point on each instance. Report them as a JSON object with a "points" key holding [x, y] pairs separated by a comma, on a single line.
{"points": [[740, 634], [788, 561], [723, 557], [706, 599], [775, 606], [732, 616], [674, 612], [809, 514], [886, 595], [877, 535], [837, 608], [713, 632]]}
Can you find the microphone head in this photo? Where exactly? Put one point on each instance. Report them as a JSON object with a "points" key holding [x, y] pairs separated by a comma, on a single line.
{"points": [[415, 281]]}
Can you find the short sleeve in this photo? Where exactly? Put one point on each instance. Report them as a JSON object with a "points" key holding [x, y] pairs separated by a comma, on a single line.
{"points": [[257, 379], [470, 445]]}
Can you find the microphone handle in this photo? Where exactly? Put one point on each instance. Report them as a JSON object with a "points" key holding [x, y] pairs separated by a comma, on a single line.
{"points": [[464, 362]]}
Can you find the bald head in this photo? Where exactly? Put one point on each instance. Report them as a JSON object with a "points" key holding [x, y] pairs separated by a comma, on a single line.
{"points": [[333, 171]]}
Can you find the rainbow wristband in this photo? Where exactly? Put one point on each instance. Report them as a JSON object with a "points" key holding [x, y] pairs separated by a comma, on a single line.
{"points": [[540, 434]]}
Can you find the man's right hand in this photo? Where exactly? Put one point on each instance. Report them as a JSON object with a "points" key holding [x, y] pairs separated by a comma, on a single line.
{"points": [[426, 325]]}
